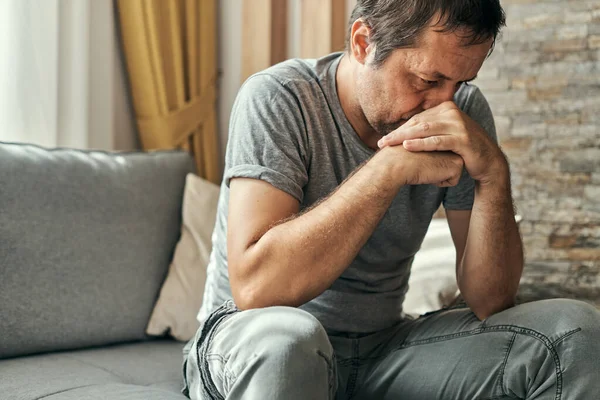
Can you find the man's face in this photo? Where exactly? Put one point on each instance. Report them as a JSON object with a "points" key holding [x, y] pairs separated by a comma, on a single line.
{"points": [[413, 80]]}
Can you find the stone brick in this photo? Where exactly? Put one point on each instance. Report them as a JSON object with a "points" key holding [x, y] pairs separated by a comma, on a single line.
{"points": [[563, 242], [494, 85], [520, 10], [487, 72], [550, 69], [569, 56], [584, 254], [562, 131], [503, 103], [564, 45], [535, 131], [540, 20], [590, 115], [503, 125], [566, 105], [515, 143], [572, 31], [520, 59], [522, 82], [526, 228], [572, 142], [586, 92], [592, 192], [585, 79], [584, 161], [571, 216], [569, 203], [527, 119], [522, 47], [545, 82], [578, 17], [518, 35], [594, 29], [551, 93], [592, 208], [594, 42], [564, 119]]}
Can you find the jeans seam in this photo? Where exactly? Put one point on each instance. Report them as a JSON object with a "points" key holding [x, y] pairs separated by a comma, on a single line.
{"points": [[330, 370], [215, 356], [229, 379], [566, 335], [354, 371], [503, 367], [208, 331], [345, 362]]}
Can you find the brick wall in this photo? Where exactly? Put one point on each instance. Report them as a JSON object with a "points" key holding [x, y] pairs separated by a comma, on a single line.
{"points": [[543, 84]]}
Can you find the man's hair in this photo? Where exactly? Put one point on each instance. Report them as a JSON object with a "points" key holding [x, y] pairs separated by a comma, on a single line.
{"points": [[399, 24]]}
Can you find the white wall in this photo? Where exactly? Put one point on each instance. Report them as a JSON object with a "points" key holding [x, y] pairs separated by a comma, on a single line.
{"points": [[62, 82], [230, 53]]}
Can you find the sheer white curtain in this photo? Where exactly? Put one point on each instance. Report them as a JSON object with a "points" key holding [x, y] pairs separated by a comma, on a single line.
{"points": [[61, 76]]}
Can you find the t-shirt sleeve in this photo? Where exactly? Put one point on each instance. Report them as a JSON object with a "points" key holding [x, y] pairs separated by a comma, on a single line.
{"points": [[461, 196], [267, 136]]}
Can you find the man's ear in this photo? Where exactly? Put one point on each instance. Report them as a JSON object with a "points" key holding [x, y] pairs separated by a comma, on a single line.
{"points": [[360, 43]]}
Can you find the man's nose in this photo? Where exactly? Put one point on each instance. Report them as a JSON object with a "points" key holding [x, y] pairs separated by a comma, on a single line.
{"points": [[439, 95]]}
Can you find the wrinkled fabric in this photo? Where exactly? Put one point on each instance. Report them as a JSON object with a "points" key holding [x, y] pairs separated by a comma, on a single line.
{"points": [[546, 350]]}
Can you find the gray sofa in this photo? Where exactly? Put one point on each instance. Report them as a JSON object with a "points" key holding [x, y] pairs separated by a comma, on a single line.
{"points": [[86, 239]]}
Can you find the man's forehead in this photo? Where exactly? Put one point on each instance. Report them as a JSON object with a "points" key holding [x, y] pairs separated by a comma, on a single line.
{"points": [[444, 56]]}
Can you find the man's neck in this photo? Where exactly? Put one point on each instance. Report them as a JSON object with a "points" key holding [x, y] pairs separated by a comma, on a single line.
{"points": [[346, 91]]}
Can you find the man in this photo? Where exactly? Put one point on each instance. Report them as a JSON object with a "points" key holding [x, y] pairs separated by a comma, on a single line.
{"points": [[334, 169]]}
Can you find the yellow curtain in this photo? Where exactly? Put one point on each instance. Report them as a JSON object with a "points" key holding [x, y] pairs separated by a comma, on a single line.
{"points": [[170, 51]]}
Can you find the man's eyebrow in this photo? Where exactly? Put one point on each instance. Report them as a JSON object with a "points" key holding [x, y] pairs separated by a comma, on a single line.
{"points": [[439, 75]]}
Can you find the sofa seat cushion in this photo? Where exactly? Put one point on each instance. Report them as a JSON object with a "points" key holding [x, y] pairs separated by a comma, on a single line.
{"points": [[145, 371]]}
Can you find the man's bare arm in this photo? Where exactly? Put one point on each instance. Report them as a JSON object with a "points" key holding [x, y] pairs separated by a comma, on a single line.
{"points": [[292, 262], [493, 259]]}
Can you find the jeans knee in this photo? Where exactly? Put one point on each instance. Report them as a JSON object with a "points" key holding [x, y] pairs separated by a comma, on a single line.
{"points": [[283, 335], [569, 315], [293, 332], [552, 318]]}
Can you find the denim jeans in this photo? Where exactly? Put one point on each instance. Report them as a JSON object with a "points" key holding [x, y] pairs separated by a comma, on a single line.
{"points": [[546, 350]]}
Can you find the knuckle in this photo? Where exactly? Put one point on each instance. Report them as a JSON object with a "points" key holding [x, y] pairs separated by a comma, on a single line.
{"points": [[458, 162], [449, 105], [424, 125]]}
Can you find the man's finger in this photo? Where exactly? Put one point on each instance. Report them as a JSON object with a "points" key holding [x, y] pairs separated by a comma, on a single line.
{"points": [[431, 143], [418, 131]]}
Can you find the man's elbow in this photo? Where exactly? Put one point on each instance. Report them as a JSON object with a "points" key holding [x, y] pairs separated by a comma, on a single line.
{"points": [[246, 288], [254, 295], [245, 297], [492, 306], [253, 287]]}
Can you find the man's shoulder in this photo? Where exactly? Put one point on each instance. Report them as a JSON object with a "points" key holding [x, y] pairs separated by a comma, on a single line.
{"points": [[468, 95], [292, 75], [471, 101]]}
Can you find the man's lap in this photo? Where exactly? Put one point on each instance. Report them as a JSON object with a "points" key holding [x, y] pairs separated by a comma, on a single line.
{"points": [[450, 354]]}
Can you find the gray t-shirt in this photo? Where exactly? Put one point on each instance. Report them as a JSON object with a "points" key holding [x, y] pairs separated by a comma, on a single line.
{"points": [[288, 128]]}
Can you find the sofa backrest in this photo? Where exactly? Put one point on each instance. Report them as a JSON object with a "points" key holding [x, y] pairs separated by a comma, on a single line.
{"points": [[86, 238]]}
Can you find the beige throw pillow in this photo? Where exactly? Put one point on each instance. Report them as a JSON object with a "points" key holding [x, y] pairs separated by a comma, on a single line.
{"points": [[181, 294], [432, 283]]}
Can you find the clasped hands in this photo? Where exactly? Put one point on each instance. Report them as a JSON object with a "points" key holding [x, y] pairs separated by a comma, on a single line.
{"points": [[446, 128]]}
